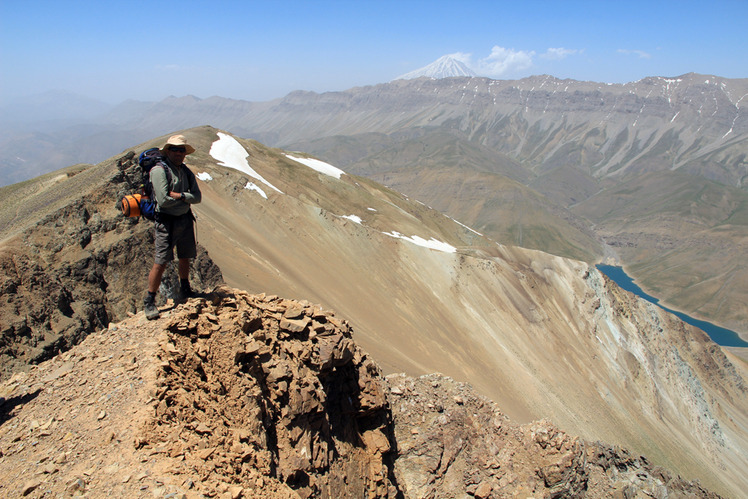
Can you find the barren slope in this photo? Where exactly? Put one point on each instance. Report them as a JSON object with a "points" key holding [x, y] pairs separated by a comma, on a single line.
{"points": [[542, 336], [236, 395]]}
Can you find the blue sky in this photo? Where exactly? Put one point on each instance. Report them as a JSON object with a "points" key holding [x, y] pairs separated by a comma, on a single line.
{"points": [[115, 50]]}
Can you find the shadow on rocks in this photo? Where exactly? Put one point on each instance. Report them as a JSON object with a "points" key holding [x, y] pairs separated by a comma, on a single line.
{"points": [[7, 406]]}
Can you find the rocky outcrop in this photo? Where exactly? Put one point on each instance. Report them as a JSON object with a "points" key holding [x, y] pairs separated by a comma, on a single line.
{"points": [[76, 270], [454, 443], [238, 395], [261, 388]]}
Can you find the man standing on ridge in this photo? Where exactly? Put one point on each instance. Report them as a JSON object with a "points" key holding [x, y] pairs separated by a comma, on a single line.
{"points": [[175, 191]]}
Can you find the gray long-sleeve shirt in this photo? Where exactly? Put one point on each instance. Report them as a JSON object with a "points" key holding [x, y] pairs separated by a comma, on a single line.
{"points": [[182, 180]]}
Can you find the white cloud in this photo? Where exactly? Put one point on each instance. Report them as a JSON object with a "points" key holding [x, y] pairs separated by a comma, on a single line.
{"points": [[556, 54], [502, 61], [639, 53]]}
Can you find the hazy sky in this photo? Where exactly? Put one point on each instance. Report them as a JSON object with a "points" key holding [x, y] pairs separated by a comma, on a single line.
{"points": [[115, 50]]}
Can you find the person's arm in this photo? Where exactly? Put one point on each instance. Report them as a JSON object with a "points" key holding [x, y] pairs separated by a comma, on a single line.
{"points": [[165, 197], [192, 195]]}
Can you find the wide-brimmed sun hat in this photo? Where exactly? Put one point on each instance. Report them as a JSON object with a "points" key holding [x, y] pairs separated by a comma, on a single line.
{"points": [[178, 140]]}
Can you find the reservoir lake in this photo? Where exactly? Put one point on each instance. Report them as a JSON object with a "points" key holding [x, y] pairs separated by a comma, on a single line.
{"points": [[721, 336]]}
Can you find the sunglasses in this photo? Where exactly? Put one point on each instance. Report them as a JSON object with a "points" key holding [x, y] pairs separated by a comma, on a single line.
{"points": [[177, 149]]}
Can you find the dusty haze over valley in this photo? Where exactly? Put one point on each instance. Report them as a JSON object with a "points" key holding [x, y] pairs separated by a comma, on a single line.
{"points": [[649, 175]]}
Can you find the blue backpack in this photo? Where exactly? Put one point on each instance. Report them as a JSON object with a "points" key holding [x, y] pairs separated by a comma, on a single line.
{"points": [[144, 204]]}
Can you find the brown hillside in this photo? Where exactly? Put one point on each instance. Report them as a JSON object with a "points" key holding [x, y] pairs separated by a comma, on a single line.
{"points": [[236, 395], [541, 336]]}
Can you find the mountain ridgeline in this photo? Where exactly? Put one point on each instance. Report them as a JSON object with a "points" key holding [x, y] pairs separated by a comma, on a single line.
{"points": [[539, 335], [693, 123], [650, 174]]}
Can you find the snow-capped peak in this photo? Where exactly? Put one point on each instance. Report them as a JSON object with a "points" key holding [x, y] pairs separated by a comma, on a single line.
{"points": [[444, 67]]}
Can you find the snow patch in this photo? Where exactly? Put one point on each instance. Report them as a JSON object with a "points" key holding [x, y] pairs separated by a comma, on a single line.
{"points": [[353, 218], [204, 176], [255, 187], [431, 243], [230, 153], [318, 165], [444, 67], [462, 224]]}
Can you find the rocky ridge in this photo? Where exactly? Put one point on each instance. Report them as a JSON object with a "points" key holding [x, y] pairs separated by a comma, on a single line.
{"points": [[540, 335], [239, 395], [569, 141], [78, 268]]}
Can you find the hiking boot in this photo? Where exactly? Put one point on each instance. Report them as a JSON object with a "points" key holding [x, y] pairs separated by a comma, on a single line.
{"points": [[151, 310], [186, 293]]}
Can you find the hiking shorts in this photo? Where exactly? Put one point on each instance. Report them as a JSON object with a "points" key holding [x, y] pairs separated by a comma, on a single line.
{"points": [[178, 232]]}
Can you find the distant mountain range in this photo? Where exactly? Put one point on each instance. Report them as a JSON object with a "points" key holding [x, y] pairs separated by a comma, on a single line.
{"points": [[693, 123], [651, 174]]}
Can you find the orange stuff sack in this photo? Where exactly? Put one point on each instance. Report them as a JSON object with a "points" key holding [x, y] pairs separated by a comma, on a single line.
{"points": [[130, 205]]}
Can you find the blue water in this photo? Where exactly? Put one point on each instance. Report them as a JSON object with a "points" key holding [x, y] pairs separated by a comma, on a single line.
{"points": [[719, 335]]}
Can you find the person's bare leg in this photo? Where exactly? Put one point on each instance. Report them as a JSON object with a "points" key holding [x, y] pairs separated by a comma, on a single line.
{"points": [[184, 279], [184, 268], [154, 277], [154, 281]]}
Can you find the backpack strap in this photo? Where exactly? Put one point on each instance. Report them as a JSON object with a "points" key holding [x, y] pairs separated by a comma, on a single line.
{"points": [[167, 171]]}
